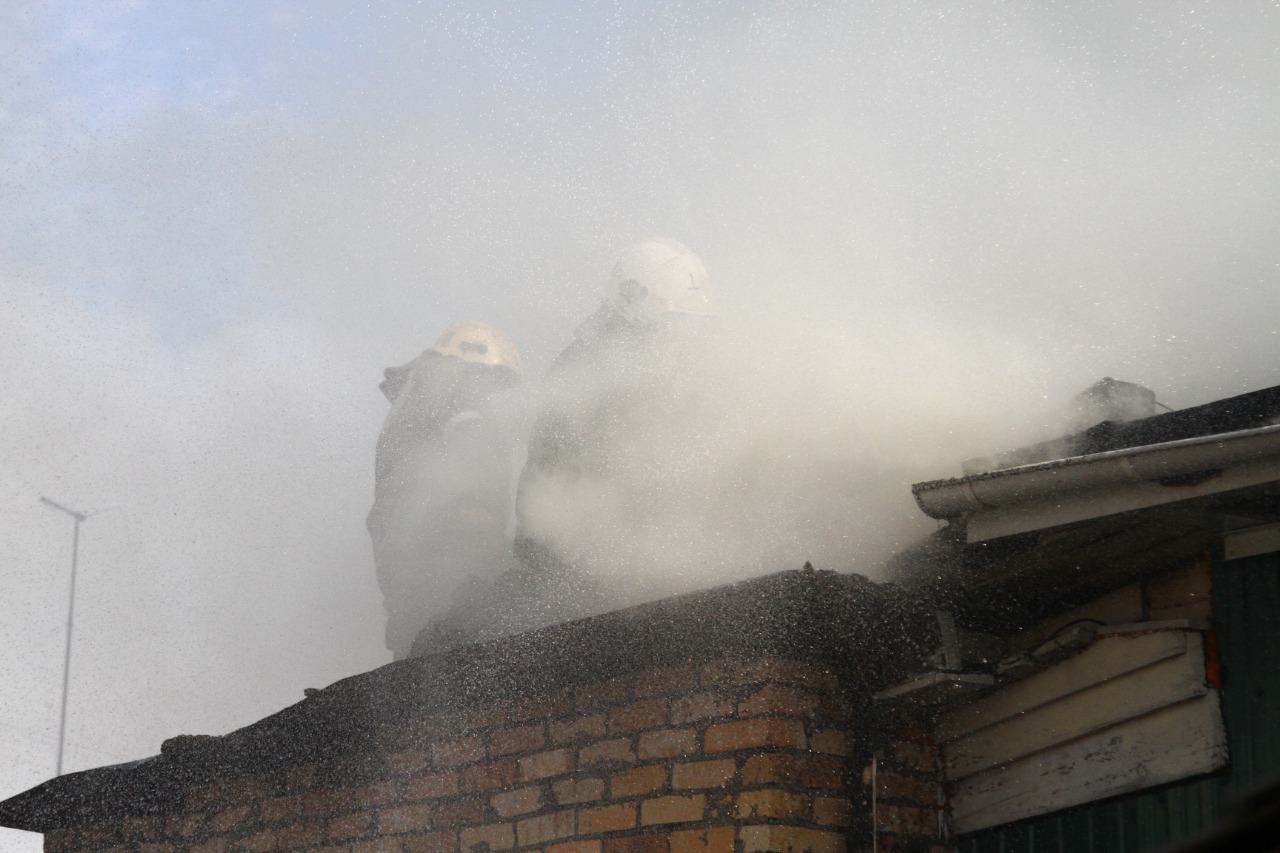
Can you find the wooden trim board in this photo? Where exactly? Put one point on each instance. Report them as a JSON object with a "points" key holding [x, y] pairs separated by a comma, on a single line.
{"points": [[1173, 743]]}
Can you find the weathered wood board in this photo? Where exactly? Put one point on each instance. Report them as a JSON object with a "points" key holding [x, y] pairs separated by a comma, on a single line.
{"points": [[1081, 713], [1173, 743], [1106, 659]]}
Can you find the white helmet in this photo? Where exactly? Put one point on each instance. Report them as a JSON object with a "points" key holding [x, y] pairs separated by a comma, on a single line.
{"points": [[663, 276], [479, 343]]}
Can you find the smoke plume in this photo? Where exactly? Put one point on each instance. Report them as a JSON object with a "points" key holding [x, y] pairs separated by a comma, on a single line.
{"points": [[928, 225]]}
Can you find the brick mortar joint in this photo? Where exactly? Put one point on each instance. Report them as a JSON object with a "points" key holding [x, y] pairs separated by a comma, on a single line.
{"points": [[309, 779]]}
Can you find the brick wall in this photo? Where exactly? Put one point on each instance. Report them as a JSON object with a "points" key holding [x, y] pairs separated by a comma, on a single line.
{"points": [[910, 804], [726, 757]]}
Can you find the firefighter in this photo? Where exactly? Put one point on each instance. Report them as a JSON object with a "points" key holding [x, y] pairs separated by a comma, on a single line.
{"points": [[439, 522], [618, 372]]}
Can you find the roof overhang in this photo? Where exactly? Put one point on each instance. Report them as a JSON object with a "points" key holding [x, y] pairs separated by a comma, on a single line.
{"points": [[1035, 497]]}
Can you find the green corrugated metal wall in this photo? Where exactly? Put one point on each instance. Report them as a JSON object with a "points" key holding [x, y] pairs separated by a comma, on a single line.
{"points": [[1247, 612]]}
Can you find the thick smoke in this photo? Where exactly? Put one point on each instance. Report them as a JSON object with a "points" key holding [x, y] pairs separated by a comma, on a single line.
{"points": [[929, 227], [755, 441]]}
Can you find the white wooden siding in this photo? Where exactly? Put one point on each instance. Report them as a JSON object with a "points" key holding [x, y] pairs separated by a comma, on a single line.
{"points": [[1127, 713]]}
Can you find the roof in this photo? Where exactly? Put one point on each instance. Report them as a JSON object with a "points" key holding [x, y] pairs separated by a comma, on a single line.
{"points": [[1043, 534], [1232, 414], [853, 625], [1050, 494]]}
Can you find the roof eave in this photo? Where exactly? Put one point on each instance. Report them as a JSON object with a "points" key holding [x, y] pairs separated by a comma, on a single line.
{"points": [[1033, 497]]}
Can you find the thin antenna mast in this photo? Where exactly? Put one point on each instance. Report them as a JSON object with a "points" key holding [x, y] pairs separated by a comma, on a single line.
{"points": [[71, 611]]}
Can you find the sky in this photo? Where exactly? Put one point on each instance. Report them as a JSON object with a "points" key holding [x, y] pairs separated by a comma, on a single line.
{"points": [[929, 224]]}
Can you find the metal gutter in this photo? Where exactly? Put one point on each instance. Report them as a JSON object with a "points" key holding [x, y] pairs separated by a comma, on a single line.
{"points": [[1163, 473]]}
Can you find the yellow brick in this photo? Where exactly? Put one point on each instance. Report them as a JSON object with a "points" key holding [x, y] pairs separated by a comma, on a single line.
{"points": [[779, 699], [648, 714], [430, 842], [703, 774], [638, 780], [753, 734], [606, 818], [607, 751], [771, 803], [673, 809], [499, 836], [544, 828], [587, 790], [666, 743], [718, 840], [404, 819], [350, 826], [809, 771], [517, 802], [544, 764], [577, 728], [789, 839]]}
